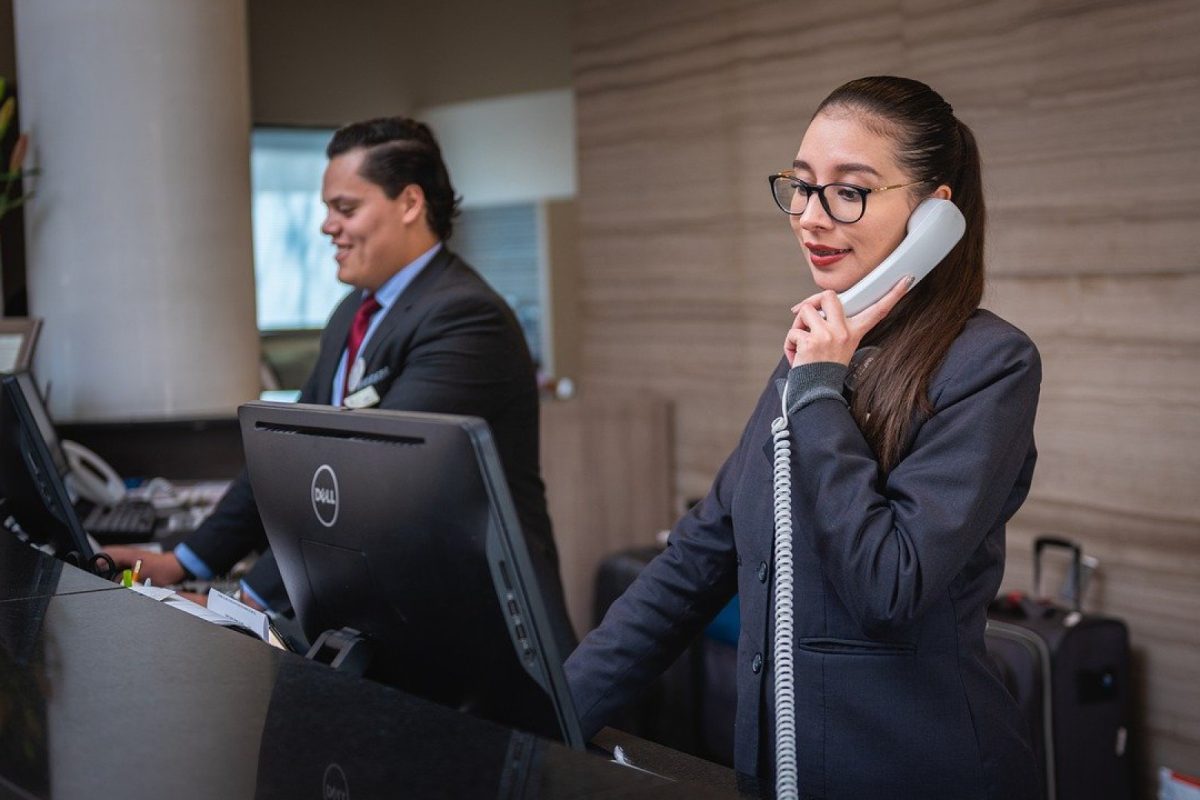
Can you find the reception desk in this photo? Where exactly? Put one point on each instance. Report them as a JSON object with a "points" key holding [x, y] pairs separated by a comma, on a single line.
{"points": [[104, 692]]}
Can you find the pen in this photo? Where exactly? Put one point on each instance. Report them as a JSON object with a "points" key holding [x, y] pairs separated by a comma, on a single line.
{"points": [[137, 569]]}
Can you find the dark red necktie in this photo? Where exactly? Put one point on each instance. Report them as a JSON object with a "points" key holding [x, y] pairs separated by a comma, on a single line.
{"points": [[358, 330]]}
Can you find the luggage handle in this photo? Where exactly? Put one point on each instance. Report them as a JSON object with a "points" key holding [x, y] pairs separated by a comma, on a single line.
{"points": [[1041, 543]]}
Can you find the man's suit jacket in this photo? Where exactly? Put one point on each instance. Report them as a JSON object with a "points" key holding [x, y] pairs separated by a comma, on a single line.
{"points": [[449, 344], [895, 696]]}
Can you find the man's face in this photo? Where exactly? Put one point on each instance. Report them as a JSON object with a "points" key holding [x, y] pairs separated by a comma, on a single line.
{"points": [[370, 230]]}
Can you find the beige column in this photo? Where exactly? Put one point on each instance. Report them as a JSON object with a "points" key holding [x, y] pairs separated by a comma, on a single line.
{"points": [[138, 236]]}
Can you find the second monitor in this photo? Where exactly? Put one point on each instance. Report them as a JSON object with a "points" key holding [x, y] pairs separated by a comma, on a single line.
{"points": [[400, 526], [33, 469]]}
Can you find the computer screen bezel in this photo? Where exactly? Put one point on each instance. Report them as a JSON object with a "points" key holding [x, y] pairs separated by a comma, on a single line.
{"points": [[259, 418], [28, 329], [39, 474]]}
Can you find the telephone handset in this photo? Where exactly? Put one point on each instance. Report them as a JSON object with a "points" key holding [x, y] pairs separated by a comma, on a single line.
{"points": [[91, 477], [934, 227]]}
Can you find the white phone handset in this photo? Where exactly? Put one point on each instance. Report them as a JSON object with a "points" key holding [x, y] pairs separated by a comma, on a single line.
{"points": [[934, 227], [91, 477]]}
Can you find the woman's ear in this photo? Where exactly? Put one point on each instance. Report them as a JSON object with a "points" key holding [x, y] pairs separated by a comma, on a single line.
{"points": [[942, 192]]}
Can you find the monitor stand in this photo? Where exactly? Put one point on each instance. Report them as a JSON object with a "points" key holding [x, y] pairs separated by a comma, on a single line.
{"points": [[345, 649]]}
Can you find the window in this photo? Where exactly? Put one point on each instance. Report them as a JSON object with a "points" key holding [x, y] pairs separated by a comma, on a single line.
{"points": [[501, 243], [295, 276]]}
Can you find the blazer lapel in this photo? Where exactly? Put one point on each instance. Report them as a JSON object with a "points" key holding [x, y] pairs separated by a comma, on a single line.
{"points": [[398, 316], [768, 447], [335, 342]]}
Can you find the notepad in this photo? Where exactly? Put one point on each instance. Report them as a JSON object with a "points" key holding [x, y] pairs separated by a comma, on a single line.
{"points": [[222, 610], [239, 612]]}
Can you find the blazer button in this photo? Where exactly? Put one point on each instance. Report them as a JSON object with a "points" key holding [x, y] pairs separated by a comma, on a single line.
{"points": [[762, 572], [739, 559], [756, 664]]}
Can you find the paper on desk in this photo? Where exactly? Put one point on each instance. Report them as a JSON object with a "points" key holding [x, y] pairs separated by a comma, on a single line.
{"points": [[155, 592], [240, 613], [217, 615]]}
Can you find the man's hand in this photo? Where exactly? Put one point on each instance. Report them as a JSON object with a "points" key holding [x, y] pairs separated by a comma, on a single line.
{"points": [[163, 569], [195, 597], [249, 600]]}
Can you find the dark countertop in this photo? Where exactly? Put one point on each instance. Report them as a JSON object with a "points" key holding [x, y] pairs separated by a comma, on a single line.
{"points": [[26, 572], [105, 692]]}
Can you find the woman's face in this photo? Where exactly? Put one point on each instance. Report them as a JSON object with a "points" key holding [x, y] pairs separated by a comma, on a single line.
{"points": [[837, 147]]}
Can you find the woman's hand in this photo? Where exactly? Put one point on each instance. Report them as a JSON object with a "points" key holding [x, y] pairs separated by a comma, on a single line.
{"points": [[821, 331]]}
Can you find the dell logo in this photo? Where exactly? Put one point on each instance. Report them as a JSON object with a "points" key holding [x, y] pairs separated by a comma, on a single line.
{"points": [[334, 785], [325, 495]]}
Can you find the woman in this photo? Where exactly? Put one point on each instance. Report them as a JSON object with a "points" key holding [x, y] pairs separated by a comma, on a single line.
{"points": [[900, 490]]}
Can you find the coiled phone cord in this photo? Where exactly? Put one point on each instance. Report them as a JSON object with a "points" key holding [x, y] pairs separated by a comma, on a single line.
{"points": [[786, 776]]}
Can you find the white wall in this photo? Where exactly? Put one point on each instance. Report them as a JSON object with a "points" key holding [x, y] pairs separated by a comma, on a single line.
{"points": [[512, 149], [138, 233]]}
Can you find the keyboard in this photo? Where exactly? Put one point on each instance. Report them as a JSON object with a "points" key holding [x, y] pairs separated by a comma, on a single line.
{"points": [[126, 522]]}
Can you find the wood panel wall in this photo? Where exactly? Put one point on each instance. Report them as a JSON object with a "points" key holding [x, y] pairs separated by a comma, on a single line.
{"points": [[1088, 116], [606, 460]]}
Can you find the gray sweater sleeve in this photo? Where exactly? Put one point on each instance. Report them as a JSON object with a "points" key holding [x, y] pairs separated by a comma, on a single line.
{"points": [[809, 382]]}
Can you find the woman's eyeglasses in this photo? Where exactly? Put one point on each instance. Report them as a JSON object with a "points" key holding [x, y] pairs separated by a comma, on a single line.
{"points": [[846, 202]]}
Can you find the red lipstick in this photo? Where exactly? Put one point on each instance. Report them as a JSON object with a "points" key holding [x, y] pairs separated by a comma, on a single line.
{"points": [[824, 255]]}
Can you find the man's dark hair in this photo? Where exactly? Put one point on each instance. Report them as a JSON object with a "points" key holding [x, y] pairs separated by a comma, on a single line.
{"points": [[402, 151]]}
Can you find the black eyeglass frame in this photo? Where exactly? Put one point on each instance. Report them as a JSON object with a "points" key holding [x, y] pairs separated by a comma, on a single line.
{"points": [[820, 188]]}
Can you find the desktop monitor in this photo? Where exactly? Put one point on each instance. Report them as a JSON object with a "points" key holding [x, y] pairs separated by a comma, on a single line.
{"points": [[32, 467], [400, 526], [18, 337]]}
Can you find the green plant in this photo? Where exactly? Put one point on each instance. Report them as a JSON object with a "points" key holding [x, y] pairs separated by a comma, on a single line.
{"points": [[16, 159]]}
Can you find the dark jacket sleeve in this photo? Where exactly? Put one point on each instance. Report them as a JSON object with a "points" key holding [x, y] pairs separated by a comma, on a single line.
{"points": [[234, 529], [891, 545], [677, 593], [266, 582]]}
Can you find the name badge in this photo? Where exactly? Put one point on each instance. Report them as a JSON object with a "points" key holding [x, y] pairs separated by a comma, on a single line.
{"points": [[356, 373], [364, 398]]}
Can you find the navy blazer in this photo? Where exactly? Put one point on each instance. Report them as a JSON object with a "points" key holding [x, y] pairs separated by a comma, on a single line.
{"points": [[895, 695], [449, 344]]}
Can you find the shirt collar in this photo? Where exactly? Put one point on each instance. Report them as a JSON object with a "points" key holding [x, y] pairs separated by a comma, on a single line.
{"points": [[393, 287]]}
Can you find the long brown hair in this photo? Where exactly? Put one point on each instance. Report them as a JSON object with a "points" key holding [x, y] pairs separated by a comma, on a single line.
{"points": [[931, 143]]}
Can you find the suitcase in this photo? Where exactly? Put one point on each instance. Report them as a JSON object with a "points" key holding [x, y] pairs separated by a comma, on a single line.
{"points": [[1069, 672]]}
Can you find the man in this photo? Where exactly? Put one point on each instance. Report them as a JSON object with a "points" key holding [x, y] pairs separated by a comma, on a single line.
{"points": [[423, 332]]}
